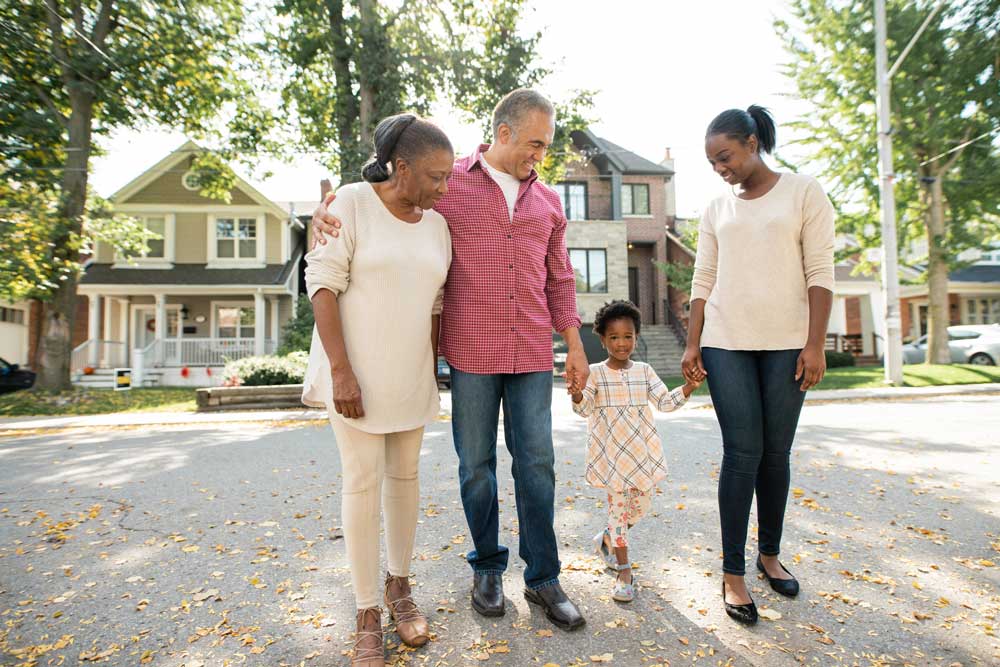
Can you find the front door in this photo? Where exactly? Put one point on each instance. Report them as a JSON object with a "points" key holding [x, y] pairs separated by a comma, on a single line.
{"points": [[633, 285], [144, 326]]}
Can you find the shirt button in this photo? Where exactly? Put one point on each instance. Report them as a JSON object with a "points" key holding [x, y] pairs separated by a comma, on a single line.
{"points": [[509, 236], [510, 266], [511, 296], [512, 328]]}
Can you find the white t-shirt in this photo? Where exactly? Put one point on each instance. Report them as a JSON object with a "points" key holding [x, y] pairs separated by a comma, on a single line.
{"points": [[508, 184]]}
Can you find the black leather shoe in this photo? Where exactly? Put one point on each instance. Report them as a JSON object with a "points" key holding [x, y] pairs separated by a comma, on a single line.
{"points": [[558, 608], [787, 587], [487, 594], [744, 613]]}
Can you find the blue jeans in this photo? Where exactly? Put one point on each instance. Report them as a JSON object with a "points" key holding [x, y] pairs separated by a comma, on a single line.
{"points": [[527, 424], [757, 402]]}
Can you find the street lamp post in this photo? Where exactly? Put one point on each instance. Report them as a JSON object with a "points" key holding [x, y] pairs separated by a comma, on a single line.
{"points": [[893, 346]]}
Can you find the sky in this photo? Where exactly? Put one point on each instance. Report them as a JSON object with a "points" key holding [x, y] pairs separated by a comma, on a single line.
{"points": [[662, 68]]}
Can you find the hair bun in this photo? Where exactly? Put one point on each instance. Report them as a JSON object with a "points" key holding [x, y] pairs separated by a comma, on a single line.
{"points": [[374, 171]]}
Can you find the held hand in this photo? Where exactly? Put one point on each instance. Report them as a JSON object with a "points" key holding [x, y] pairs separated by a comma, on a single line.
{"points": [[347, 394], [692, 367], [577, 397], [577, 371], [690, 387], [810, 367], [323, 222]]}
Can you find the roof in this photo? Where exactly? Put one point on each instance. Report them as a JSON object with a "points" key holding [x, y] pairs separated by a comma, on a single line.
{"points": [[188, 274], [174, 158], [977, 273], [620, 159], [842, 273]]}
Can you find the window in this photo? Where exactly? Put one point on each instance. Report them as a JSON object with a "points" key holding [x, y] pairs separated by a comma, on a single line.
{"points": [[591, 269], [574, 199], [635, 199], [982, 310], [234, 321], [155, 248], [236, 238], [12, 315]]}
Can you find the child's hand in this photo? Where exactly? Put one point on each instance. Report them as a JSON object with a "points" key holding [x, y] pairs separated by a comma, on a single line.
{"points": [[577, 397], [691, 386]]}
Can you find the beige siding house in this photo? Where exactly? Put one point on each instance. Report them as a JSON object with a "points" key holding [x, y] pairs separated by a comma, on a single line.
{"points": [[219, 285]]}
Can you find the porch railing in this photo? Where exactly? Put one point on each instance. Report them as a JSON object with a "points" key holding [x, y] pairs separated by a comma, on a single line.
{"points": [[204, 351], [99, 354]]}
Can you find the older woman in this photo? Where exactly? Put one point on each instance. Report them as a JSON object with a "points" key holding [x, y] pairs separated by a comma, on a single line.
{"points": [[377, 300]]}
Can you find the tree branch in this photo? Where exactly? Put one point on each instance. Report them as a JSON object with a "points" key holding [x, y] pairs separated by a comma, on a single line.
{"points": [[103, 25], [55, 28], [954, 158], [58, 115]]}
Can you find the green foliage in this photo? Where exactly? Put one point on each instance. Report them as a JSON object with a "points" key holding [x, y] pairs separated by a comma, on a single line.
{"points": [[945, 93], [267, 370], [679, 274], [297, 333], [78, 401], [350, 63], [839, 359]]}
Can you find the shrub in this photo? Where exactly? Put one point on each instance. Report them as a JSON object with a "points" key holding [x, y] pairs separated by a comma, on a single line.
{"points": [[839, 359], [267, 370], [297, 334]]}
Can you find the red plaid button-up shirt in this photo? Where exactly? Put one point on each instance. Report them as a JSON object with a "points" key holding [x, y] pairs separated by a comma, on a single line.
{"points": [[511, 282]]}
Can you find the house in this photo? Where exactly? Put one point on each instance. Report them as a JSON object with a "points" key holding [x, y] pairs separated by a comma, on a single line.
{"points": [[218, 285], [14, 328], [618, 205], [973, 294]]}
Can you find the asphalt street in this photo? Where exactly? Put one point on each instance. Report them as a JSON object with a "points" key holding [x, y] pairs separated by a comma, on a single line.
{"points": [[219, 544]]}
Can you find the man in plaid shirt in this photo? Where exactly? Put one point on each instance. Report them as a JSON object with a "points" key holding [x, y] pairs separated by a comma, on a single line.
{"points": [[510, 284]]}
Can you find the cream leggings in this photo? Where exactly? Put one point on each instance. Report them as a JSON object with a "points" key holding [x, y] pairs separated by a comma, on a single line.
{"points": [[366, 459]]}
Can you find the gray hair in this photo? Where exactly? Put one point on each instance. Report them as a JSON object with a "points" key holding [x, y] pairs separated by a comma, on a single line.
{"points": [[515, 105]]}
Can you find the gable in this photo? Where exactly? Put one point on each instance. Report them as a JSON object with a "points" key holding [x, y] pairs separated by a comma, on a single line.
{"points": [[168, 188]]}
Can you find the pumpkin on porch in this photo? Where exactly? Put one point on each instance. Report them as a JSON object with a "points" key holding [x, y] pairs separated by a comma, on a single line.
{"points": [[88, 370]]}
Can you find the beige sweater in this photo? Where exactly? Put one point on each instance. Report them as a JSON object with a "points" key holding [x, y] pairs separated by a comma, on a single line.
{"points": [[756, 261], [388, 276]]}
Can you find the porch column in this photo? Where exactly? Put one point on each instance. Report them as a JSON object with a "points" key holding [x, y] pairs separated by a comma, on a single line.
{"points": [[160, 325], [123, 330], [93, 328], [259, 315], [275, 330]]}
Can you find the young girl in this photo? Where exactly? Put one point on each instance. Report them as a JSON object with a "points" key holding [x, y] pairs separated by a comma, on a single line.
{"points": [[624, 454]]}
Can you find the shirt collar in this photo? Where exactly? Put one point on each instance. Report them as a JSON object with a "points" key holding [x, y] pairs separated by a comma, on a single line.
{"points": [[477, 156]]}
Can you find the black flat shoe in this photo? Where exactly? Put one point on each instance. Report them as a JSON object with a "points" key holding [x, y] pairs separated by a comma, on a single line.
{"points": [[743, 613], [787, 587], [558, 607], [487, 594]]}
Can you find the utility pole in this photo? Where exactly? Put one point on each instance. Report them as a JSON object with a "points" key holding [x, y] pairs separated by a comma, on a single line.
{"points": [[893, 345]]}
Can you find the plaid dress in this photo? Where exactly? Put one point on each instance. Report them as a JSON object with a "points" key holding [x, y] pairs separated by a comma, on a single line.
{"points": [[623, 448]]}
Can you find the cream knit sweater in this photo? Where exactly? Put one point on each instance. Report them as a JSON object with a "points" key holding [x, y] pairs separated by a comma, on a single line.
{"points": [[389, 277], [756, 261]]}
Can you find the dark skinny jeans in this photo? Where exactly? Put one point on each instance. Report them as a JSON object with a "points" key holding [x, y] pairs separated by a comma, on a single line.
{"points": [[757, 401]]}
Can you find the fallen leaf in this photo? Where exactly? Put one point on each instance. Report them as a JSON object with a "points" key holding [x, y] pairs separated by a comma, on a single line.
{"points": [[769, 614]]}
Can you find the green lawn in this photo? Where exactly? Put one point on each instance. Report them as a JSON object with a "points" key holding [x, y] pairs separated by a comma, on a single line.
{"points": [[96, 401], [866, 377]]}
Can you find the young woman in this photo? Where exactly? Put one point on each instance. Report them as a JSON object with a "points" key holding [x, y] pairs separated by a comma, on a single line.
{"points": [[760, 303], [377, 296]]}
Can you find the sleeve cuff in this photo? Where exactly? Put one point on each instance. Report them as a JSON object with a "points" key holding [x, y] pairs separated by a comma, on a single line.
{"points": [[677, 396], [700, 292], [566, 322]]}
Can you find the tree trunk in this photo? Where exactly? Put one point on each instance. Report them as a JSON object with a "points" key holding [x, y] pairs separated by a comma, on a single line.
{"points": [[56, 349], [369, 36], [345, 110], [938, 311]]}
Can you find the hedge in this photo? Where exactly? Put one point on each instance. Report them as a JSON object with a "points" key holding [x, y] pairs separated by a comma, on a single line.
{"points": [[267, 370], [839, 359]]}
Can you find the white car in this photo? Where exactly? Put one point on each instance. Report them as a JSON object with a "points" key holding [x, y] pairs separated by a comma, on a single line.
{"points": [[969, 344]]}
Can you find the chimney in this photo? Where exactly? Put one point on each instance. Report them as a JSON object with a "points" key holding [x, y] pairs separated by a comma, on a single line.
{"points": [[666, 154], [324, 188]]}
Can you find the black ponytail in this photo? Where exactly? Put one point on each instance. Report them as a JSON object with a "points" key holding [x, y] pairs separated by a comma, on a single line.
{"points": [[738, 124], [401, 136]]}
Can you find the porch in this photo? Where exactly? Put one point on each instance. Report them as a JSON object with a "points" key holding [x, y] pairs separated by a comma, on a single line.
{"points": [[176, 340]]}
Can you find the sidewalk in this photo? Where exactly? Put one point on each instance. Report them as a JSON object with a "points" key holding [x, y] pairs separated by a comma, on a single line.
{"points": [[127, 419]]}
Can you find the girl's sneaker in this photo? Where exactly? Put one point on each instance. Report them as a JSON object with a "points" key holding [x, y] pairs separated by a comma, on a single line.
{"points": [[624, 592], [602, 550]]}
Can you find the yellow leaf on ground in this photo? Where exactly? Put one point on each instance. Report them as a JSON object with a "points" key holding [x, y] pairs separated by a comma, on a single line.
{"points": [[769, 614], [605, 657]]}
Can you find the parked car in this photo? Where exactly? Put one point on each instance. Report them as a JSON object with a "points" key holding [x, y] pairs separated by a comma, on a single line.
{"points": [[443, 373], [13, 377], [969, 344]]}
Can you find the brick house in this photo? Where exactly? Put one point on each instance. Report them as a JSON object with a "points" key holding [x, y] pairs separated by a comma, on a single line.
{"points": [[618, 205]]}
